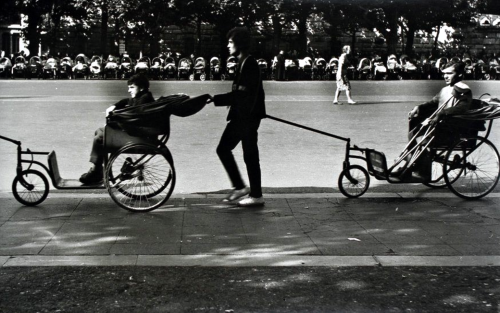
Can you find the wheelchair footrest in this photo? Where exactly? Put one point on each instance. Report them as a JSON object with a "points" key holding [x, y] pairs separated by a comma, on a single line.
{"points": [[54, 169], [61, 183]]}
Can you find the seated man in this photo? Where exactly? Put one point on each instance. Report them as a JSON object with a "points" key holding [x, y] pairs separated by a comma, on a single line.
{"points": [[138, 88], [455, 98]]}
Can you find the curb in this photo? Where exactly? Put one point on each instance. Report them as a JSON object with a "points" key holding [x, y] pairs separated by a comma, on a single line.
{"points": [[264, 260]]}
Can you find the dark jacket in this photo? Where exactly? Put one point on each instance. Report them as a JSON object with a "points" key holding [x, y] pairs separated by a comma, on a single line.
{"points": [[246, 101], [141, 98], [462, 103]]}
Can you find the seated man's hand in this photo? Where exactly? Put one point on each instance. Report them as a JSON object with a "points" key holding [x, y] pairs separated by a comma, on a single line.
{"points": [[413, 112], [108, 110], [430, 121]]}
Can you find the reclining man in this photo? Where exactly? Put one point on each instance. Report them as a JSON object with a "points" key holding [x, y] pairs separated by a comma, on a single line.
{"points": [[138, 88], [455, 98]]}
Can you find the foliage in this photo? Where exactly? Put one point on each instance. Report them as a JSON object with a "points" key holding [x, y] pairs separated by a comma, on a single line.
{"points": [[397, 21]]}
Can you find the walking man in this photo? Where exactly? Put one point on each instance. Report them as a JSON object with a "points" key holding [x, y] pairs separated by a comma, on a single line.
{"points": [[246, 104]]}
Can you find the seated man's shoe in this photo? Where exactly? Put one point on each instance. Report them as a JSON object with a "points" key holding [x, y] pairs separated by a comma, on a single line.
{"points": [[93, 177], [457, 161], [236, 194], [251, 201], [420, 177], [397, 172]]}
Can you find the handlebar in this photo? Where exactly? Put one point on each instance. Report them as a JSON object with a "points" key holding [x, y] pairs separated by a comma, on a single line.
{"points": [[11, 140]]}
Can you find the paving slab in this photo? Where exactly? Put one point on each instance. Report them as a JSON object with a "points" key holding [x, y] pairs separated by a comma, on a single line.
{"points": [[81, 226]]}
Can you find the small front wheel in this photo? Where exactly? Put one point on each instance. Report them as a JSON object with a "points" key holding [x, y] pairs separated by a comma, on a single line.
{"points": [[36, 190], [354, 181]]}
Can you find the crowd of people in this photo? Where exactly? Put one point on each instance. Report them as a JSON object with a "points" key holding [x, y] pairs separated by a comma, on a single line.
{"points": [[282, 67]]}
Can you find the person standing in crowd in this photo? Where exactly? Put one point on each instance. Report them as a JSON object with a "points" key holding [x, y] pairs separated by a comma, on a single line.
{"points": [[343, 83], [280, 66], [246, 104]]}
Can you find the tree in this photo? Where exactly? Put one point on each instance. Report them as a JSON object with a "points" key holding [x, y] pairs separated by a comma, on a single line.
{"points": [[195, 14], [297, 12], [33, 10], [146, 20], [429, 15], [61, 14], [341, 17], [224, 17]]}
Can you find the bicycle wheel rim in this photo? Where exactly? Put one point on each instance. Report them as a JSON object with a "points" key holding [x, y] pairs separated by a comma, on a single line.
{"points": [[357, 188], [480, 170], [146, 184], [33, 196]]}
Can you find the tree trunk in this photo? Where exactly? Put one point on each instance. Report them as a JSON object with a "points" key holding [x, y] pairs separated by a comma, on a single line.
{"points": [[32, 34], [104, 28], [302, 44], [198, 37], [410, 39], [434, 48], [278, 30], [392, 34], [56, 19], [154, 42], [353, 40]]}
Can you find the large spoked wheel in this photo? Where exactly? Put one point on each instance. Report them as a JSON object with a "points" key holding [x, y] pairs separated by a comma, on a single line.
{"points": [[140, 177], [35, 192], [479, 170], [354, 181], [437, 171]]}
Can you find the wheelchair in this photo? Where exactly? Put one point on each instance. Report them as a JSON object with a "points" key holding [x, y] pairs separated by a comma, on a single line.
{"points": [[460, 158], [139, 170]]}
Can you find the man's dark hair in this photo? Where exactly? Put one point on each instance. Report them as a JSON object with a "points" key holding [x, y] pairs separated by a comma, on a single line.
{"points": [[140, 81], [458, 66], [241, 38]]}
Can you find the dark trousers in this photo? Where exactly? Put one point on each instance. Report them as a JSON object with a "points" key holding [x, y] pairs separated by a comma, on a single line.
{"points": [[246, 132], [97, 152]]}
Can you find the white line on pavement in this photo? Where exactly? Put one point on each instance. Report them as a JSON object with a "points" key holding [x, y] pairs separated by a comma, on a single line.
{"points": [[264, 260]]}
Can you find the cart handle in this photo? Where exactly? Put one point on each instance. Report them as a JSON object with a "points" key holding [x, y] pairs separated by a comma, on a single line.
{"points": [[308, 128], [11, 140]]}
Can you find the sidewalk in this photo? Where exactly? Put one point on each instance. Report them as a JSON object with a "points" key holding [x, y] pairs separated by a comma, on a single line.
{"points": [[290, 230]]}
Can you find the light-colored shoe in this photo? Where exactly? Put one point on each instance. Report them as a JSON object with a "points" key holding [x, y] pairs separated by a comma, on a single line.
{"points": [[236, 194], [251, 201], [351, 102]]}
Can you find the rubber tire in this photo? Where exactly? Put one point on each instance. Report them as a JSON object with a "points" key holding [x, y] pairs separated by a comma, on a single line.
{"points": [[109, 179], [451, 184], [342, 176], [39, 199]]}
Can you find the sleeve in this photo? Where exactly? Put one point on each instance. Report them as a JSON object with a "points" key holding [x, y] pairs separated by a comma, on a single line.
{"points": [[121, 104], [226, 99], [432, 104], [463, 104]]}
